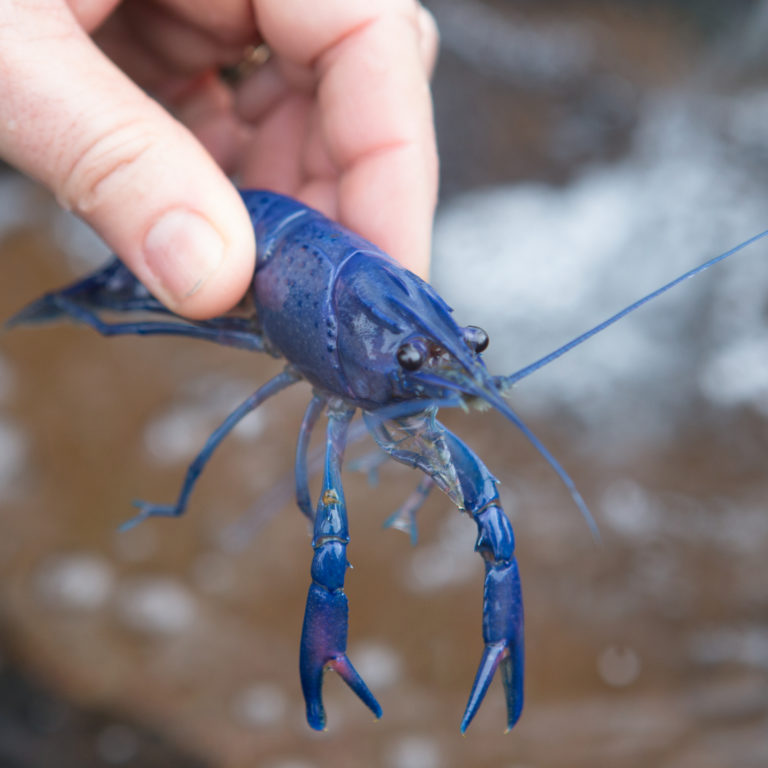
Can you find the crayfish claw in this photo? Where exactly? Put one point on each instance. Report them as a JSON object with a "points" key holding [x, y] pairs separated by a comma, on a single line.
{"points": [[323, 646], [502, 632]]}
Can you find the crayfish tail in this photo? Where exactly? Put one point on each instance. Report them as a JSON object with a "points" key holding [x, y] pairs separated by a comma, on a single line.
{"points": [[43, 310], [112, 288]]}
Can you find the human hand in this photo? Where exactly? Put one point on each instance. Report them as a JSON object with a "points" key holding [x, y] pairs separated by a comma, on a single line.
{"points": [[340, 117]]}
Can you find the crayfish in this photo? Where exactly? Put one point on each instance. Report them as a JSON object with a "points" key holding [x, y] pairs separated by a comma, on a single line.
{"points": [[366, 334]]}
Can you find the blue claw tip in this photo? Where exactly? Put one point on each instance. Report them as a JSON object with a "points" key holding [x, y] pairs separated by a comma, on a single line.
{"points": [[316, 716], [497, 655]]}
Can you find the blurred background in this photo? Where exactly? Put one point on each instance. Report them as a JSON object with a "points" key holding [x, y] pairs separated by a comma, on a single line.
{"points": [[590, 152]]}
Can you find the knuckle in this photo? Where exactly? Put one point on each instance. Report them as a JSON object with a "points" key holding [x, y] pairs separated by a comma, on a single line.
{"points": [[101, 162]]}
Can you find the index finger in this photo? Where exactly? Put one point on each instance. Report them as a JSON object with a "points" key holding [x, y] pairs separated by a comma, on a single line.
{"points": [[376, 112]]}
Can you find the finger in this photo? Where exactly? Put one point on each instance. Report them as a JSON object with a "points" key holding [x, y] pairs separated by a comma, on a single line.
{"points": [[121, 162], [202, 102], [207, 110], [229, 21], [171, 82], [374, 99], [429, 38], [183, 47], [322, 195], [91, 13], [274, 161], [115, 38], [316, 159], [260, 91]]}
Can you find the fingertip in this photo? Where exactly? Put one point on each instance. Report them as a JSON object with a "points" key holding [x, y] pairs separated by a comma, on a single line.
{"points": [[200, 267], [226, 286], [429, 38]]}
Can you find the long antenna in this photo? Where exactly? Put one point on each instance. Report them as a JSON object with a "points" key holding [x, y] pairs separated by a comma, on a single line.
{"points": [[507, 381]]}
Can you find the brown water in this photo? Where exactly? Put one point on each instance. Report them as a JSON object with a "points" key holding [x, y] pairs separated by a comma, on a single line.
{"points": [[650, 649]]}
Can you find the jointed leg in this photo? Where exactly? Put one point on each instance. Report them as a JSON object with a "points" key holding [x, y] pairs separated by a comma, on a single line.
{"points": [[404, 519], [279, 382], [314, 409]]}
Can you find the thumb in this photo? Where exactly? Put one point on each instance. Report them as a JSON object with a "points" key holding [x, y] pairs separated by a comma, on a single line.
{"points": [[111, 154]]}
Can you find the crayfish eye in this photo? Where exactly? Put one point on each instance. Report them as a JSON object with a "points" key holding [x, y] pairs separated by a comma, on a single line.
{"points": [[411, 355], [476, 338]]}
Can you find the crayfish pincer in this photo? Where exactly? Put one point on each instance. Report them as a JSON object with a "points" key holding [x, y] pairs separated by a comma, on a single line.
{"points": [[369, 335]]}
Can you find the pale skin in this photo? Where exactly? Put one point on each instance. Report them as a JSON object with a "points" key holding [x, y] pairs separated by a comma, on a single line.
{"points": [[340, 116]]}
